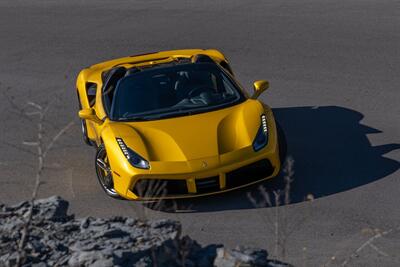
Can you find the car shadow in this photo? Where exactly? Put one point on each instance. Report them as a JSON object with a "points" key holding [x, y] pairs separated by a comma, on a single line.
{"points": [[331, 154]]}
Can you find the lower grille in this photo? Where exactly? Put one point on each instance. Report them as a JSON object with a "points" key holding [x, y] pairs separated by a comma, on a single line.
{"points": [[160, 187], [148, 188], [207, 185], [249, 173]]}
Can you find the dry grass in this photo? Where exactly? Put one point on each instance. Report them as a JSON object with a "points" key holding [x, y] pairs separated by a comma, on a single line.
{"points": [[283, 224]]}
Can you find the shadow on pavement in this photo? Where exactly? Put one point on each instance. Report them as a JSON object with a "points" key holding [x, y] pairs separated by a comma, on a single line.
{"points": [[331, 154]]}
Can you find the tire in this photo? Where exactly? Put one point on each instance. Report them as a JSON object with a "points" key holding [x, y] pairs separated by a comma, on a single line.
{"points": [[85, 135], [84, 128], [103, 172], [281, 143]]}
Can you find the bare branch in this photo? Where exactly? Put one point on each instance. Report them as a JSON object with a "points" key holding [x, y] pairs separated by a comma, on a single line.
{"points": [[27, 143], [56, 137], [25, 229], [265, 194], [42, 151], [37, 106], [288, 180], [18, 148], [277, 195]]}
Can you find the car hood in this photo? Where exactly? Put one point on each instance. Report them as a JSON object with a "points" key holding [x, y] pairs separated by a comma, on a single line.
{"points": [[193, 137]]}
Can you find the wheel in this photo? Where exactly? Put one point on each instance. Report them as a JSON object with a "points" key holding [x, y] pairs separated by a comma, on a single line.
{"points": [[103, 172], [84, 128], [281, 143]]}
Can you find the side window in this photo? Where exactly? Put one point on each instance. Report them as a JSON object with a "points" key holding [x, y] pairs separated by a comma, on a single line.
{"points": [[227, 87], [91, 89], [111, 79]]}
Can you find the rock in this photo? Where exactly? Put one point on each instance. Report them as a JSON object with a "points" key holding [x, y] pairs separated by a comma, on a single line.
{"points": [[85, 258], [224, 259], [276, 263], [103, 263], [85, 222], [37, 246], [56, 238], [111, 233], [241, 256], [53, 208], [205, 257], [40, 264], [254, 257]]}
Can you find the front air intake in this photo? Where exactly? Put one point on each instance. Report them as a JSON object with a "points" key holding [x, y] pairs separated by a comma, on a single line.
{"points": [[249, 173]]}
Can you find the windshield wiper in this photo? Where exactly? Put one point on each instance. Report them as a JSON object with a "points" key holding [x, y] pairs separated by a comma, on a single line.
{"points": [[156, 115], [135, 118]]}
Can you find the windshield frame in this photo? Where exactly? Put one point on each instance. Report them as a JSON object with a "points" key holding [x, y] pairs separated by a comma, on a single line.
{"points": [[180, 112]]}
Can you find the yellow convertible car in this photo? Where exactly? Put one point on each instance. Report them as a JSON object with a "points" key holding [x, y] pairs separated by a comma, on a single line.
{"points": [[176, 124]]}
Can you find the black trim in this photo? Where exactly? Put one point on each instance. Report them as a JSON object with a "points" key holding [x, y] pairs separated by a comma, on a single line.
{"points": [[226, 66], [144, 54], [111, 80], [207, 185], [201, 58], [91, 90], [249, 173], [159, 187]]}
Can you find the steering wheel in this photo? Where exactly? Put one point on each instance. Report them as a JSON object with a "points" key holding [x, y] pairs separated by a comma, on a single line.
{"points": [[200, 89]]}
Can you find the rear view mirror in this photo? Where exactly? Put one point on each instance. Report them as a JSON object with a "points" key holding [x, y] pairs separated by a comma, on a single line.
{"points": [[259, 87], [89, 114]]}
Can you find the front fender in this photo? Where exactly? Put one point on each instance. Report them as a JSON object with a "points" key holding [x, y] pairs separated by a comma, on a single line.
{"points": [[120, 166]]}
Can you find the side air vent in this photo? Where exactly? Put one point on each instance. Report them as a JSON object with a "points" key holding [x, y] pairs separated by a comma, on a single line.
{"points": [[91, 89]]}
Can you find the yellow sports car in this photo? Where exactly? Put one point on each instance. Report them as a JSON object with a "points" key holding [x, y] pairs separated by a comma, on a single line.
{"points": [[176, 124]]}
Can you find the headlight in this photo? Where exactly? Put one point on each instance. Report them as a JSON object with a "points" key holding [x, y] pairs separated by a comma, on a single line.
{"points": [[261, 139], [135, 159]]}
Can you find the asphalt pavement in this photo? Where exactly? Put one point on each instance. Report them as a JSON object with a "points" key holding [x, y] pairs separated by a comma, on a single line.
{"points": [[334, 70]]}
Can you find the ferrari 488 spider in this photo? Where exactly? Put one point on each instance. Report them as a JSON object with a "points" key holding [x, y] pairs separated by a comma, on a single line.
{"points": [[176, 124]]}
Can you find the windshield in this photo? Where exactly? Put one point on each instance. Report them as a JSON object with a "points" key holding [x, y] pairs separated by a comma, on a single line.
{"points": [[173, 91]]}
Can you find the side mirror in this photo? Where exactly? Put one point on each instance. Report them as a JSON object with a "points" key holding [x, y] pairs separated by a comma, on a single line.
{"points": [[259, 87], [89, 114]]}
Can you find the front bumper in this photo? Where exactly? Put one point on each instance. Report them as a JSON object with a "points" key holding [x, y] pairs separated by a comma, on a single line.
{"points": [[171, 180], [162, 188]]}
